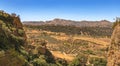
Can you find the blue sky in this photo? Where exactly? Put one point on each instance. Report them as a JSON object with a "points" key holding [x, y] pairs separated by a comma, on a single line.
{"points": [[38, 10]]}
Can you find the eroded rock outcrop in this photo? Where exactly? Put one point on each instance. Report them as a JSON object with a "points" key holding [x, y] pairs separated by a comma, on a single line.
{"points": [[114, 49], [15, 50], [12, 34], [12, 40]]}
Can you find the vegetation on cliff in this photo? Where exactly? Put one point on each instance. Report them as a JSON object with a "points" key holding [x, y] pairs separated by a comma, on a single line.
{"points": [[11, 40], [14, 49], [114, 49]]}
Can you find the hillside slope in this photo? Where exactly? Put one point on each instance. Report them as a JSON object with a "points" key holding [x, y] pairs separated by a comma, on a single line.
{"points": [[63, 22], [11, 31], [15, 50], [12, 39]]}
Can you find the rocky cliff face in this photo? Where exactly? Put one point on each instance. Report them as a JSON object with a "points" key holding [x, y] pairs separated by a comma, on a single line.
{"points": [[15, 50], [12, 34], [114, 49], [12, 40]]}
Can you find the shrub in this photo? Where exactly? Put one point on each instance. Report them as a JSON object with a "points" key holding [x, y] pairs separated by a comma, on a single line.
{"points": [[89, 52], [20, 32], [62, 62], [12, 58], [79, 61], [40, 62], [116, 22], [98, 61]]}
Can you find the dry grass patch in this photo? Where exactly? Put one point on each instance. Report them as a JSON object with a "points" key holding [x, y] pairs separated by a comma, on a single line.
{"points": [[65, 56]]}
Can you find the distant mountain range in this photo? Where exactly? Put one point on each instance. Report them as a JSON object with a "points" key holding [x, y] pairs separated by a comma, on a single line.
{"points": [[63, 22]]}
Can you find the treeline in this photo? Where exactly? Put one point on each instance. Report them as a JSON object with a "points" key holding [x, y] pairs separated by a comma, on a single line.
{"points": [[72, 30]]}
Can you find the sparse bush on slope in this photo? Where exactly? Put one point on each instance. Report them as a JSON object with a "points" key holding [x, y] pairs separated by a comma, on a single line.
{"points": [[81, 60]]}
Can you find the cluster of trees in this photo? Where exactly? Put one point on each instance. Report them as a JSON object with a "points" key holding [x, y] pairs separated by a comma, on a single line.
{"points": [[91, 31], [116, 22]]}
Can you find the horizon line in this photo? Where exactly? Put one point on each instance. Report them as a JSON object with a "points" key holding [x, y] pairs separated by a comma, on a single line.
{"points": [[65, 19]]}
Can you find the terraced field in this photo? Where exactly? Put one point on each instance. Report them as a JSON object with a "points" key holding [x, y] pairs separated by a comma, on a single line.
{"points": [[69, 46]]}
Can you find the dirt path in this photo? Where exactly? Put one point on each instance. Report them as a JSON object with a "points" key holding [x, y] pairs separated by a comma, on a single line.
{"points": [[58, 54]]}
